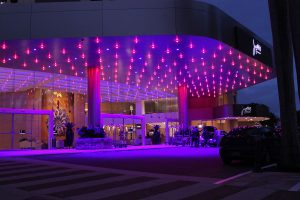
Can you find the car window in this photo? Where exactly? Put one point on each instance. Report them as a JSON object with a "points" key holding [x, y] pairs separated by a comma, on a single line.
{"points": [[252, 132], [209, 128]]}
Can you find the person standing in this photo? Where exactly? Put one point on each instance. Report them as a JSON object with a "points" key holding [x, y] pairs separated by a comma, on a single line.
{"points": [[69, 134]]}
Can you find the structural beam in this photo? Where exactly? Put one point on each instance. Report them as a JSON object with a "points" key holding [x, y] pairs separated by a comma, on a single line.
{"points": [[183, 106], [94, 103], [282, 44], [294, 14]]}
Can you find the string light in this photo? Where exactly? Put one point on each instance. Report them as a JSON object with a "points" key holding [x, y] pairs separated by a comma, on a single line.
{"points": [[157, 63]]}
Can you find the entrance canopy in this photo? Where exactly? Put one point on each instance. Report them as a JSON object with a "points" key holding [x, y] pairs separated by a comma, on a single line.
{"points": [[132, 67]]}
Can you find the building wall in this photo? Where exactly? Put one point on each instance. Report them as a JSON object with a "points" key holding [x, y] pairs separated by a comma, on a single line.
{"points": [[29, 99], [117, 18], [118, 107], [201, 108]]}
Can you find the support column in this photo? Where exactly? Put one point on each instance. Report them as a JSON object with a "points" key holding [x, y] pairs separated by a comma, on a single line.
{"points": [[167, 131], [294, 15], [183, 106], [282, 44], [50, 130], [140, 108], [143, 132], [94, 112]]}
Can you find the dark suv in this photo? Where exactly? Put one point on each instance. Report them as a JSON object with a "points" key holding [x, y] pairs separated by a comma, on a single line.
{"points": [[248, 143]]}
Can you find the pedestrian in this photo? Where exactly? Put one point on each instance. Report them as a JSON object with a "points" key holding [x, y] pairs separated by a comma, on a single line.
{"points": [[69, 134]]}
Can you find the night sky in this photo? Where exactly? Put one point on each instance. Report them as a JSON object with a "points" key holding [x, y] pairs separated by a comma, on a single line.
{"points": [[254, 14]]}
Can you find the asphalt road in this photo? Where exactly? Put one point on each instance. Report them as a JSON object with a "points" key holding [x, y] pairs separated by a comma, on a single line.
{"points": [[182, 161]]}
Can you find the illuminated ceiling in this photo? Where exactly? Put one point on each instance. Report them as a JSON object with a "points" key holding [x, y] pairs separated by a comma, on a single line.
{"points": [[132, 68]]}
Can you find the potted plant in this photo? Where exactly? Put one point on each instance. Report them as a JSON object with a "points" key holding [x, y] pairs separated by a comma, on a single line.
{"points": [[27, 143], [92, 138]]}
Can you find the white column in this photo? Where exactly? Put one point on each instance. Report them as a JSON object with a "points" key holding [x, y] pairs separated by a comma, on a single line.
{"points": [[143, 131], [167, 131], [140, 108], [50, 130]]}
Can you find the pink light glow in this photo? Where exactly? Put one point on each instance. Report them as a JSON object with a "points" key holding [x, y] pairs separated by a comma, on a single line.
{"points": [[15, 56], [153, 46], [27, 51], [42, 46], [177, 39], [191, 45], [4, 46], [148, 61]]}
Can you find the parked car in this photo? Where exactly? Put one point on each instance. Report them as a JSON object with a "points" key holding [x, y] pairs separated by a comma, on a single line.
{"points": [[219, 134], [247, 143], [208, 136]]}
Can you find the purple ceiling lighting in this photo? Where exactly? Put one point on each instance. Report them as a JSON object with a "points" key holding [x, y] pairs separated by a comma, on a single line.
{"points": [[13, 80], [144, 66]]}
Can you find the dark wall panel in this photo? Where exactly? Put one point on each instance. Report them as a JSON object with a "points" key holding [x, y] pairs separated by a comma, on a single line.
{"points": [[65, 6], [119, 18], [133, 4], [14, 25], [66, 24], [138, 22], [205, 21]]}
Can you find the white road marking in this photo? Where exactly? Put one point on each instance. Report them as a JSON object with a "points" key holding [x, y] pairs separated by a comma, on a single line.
{"points": [[79, 185], [268, 166], [251, 193], [183, 192], [232, 177], [119, 190], [241, 174], [119, 171], [295, 188]]}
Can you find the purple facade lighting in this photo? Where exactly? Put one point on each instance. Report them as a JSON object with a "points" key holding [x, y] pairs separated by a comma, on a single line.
{"points": [[146, 63], [183, 106], [94, 109]]}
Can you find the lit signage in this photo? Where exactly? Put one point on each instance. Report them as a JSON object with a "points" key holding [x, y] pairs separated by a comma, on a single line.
{"points": [[256, 48], [247, 43], [138, 126], [246, 111]]}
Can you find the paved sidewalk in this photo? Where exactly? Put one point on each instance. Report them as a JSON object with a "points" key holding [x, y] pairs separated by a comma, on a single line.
{"points": [[29, 178], [25, 152]]}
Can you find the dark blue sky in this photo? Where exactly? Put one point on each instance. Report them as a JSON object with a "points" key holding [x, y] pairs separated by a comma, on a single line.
{"points": [[254, 14]]}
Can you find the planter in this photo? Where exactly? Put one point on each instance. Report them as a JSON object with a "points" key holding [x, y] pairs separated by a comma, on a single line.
{"points": [[60, 144], [27, 145], [94, 143]]}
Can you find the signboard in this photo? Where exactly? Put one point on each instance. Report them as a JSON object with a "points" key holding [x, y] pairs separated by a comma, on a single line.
{"points": [[138, 126], [252, 46], [247, 110]]}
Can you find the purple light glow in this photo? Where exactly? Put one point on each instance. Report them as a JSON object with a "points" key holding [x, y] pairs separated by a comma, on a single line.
{"points": [[146, 63]]}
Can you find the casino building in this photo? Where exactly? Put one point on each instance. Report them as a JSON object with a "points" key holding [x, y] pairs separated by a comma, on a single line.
{"points": [[124, 64]]}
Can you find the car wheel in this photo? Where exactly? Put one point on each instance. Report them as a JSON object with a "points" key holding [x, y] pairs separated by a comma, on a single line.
{"points": [[267, 158], [226, 160]]}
